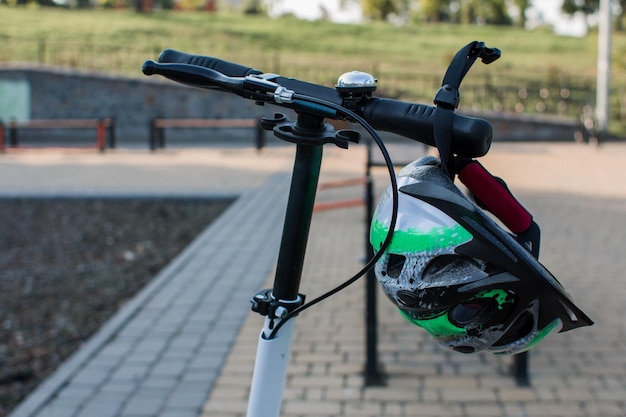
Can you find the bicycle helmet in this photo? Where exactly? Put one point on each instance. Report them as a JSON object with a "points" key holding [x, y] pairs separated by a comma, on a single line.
{"points": [[453, 271]]}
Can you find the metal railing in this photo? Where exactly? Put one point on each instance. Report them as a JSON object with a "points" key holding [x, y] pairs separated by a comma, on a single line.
{"points": [[553, 95]]}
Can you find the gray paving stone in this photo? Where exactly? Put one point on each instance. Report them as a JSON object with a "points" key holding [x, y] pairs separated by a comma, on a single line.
{"points": [[205, 362], [143, 406], [92, 376], [177, 354], [178, 412], [152, 344], [186, 341], [58, 410], [205, 376], [100, 409], [187, 395], [119, 387], [142, 358], [161, 381], [127, 372], [77, 392]]}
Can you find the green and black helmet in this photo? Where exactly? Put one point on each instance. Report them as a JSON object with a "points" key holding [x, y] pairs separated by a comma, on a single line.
{"points": [[453, 271]]}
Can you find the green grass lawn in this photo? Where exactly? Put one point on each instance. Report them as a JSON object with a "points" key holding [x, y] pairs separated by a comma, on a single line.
{"points": [[408, 61], [257, 40]]}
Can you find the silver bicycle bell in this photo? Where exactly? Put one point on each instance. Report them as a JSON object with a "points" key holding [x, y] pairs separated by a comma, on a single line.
{"points": [[355, 83]]}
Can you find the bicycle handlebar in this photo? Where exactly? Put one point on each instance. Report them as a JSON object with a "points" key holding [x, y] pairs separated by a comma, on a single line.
{"points": [[471, 137]]}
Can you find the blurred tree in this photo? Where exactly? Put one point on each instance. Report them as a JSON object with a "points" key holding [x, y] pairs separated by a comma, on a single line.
{"points": [[484, 11], [497, 13], [590, 7], [23, 2], [143, 6], [435, 10], [253, 7], [380, 9], [585, 6], [522, 6], [468, 11]]}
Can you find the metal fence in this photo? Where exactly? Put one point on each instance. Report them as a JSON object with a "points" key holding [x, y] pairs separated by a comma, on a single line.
{"points": [[553, 95]]}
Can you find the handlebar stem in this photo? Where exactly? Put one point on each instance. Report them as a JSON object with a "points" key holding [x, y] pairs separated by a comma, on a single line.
{"points": [[297, 221]]}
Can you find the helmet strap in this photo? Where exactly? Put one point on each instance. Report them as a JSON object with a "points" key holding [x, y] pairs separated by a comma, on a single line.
{"points": [[447, 98]]}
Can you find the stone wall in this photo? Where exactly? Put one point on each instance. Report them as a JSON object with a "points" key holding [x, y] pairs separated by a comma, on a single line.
{"points": [[134, 102], [509, 127]]}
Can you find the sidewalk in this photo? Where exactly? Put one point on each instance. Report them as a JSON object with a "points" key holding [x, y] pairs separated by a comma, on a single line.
{"points": [[159, 355], [578, 196], [185, 346]]}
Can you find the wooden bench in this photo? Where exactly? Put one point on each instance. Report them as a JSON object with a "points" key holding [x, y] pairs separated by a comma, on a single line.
{"points": [[158, 126], [104, 130]]}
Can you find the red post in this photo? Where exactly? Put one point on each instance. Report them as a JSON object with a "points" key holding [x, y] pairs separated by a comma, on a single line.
{"points": [[1, 137], [101, 135]]}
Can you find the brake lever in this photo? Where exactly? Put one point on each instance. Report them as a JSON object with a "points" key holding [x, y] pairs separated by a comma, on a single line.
{"points": [[195, 76], [254, 87]]}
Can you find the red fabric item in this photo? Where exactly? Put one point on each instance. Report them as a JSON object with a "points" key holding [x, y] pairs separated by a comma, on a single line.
{"points": [[496, 197]]}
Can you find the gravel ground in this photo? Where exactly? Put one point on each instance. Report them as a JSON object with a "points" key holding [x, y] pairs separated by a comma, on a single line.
{"points": [[67, 265]]}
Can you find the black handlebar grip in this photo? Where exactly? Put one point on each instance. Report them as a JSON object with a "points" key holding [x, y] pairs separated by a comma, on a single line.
{"points": [[471, 137], [171, 56]]}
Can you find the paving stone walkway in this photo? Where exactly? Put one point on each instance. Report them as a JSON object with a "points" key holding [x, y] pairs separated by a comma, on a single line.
{"points": [[185, 345], [578, 196]]}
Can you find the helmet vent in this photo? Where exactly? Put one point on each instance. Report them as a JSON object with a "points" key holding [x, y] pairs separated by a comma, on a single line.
{"points": [[395, 265], [473, 313], [520, 328], [572, 316], [464, 349], [448, 267]]}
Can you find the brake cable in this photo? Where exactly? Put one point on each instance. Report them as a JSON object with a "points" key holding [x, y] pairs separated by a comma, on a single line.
{"points": [[394, 214]]}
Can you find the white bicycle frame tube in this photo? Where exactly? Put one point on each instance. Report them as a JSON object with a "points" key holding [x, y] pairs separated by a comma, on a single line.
{"points": [[270, 371]]}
